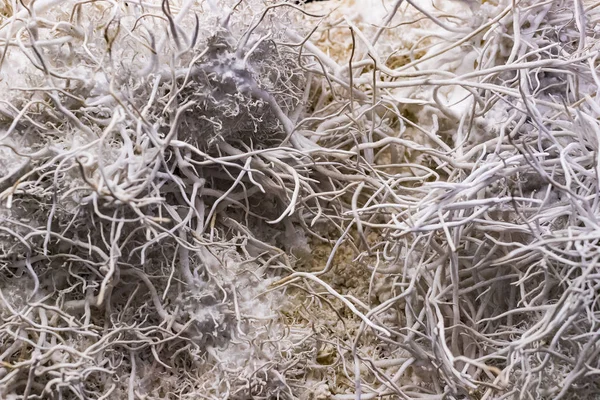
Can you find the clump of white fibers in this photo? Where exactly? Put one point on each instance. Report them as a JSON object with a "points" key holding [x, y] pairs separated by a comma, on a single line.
{"points": [[257, 200], [124, 128], [478, 222]]}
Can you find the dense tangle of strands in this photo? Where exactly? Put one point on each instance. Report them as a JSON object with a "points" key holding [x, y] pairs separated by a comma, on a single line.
{"points": [[168, 169]]}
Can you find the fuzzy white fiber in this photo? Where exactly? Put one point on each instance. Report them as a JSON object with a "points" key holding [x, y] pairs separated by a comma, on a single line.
{"points": [[346, 199]]}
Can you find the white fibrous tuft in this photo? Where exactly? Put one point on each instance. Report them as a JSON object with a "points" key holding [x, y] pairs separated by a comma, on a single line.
{"points": [[112, 239], [324, 200]]}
